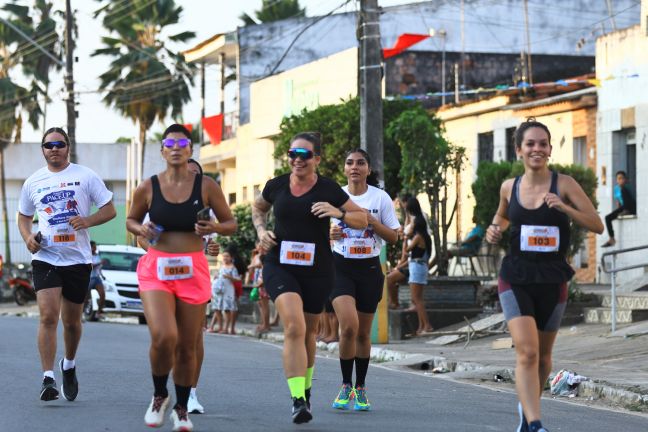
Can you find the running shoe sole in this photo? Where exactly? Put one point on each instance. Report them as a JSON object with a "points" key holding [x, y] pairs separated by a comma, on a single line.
{"points": [[49, 394], [302, 416]]}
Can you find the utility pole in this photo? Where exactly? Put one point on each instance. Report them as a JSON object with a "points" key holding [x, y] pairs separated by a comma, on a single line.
{"points": [[69, 79], [528, 41], [222, 94], [370, 91], [202, 101]]}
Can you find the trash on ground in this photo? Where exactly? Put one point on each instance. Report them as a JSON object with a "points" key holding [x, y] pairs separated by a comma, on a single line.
{"points": [[566, 382]]}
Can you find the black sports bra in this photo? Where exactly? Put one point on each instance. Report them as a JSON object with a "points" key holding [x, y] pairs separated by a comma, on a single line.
{"points": [[176, 217]]}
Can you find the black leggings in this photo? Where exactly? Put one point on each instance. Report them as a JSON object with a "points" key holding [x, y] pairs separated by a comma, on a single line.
{"points": [[609, 218]]}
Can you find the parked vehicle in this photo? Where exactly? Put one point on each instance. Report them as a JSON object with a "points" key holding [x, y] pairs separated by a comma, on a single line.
{"points": [[119, 281], [20, 283]]}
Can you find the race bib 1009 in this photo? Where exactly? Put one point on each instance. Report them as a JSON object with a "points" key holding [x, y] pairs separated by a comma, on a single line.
{"points": [[297, 253], [174, 268], [539, 238]]}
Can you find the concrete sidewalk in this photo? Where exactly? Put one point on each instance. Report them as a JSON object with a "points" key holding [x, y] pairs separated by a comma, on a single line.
{"points": [[616, 365]]}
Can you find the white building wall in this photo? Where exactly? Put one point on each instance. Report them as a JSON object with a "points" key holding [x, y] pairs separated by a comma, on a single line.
{"points": [[622, 68]]}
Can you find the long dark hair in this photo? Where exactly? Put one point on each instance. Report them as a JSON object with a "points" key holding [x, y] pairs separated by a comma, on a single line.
{"points": [[413, 207], [239, 263], [372, 178]]}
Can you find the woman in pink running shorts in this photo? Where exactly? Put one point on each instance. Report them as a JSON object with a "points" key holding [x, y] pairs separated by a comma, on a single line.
{"points": [[173, 276]]}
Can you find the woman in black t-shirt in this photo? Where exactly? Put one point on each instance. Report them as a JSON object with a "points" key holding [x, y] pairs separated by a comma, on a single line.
{"points": [[534, 275], [298, 267]]}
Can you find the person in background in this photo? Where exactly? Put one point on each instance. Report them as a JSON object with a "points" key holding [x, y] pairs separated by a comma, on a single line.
{"points": [[469, 246], [400, 272], [96, 281], [224, 297], [626, 204], [418, 246]]}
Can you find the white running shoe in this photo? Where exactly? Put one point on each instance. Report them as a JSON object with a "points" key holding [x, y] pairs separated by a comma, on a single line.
{"points": [[193, 406], [154, 416], [180, 419]]}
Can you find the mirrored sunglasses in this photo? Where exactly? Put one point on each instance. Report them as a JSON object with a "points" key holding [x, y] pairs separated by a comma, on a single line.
{"points": [[302, 153], [170, 142], [49, 145]]}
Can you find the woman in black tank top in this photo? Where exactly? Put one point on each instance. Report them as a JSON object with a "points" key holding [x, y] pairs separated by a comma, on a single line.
{"points": [[173, 275], [537, 206]]}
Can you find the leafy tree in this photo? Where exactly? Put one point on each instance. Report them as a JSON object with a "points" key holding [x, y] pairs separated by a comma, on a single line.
{"points": [[274, 10], [428, 163], [340, 129], [146, 79], [14, 98], [490, 176], [244, 240]]}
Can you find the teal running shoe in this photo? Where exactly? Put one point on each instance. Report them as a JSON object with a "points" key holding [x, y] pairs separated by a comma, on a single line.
{"points": [[344, 397], [361, 402]]}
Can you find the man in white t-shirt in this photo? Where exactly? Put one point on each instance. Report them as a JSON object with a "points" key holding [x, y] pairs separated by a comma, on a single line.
{"points": [[62, 194]]}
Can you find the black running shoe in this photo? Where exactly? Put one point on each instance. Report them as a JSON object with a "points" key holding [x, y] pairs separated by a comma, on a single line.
{"points": [[70, 385], [300, 411], [48, 390], [307, 392]]}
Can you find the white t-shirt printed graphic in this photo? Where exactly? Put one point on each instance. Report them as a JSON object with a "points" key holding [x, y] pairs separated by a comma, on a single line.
{"points": [[381, 207], [56, 197]]}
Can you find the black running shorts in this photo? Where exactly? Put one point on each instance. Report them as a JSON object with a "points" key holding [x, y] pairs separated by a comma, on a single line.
{"points": [[314, 291], [361, 279], [73, 279], [543, 302]]}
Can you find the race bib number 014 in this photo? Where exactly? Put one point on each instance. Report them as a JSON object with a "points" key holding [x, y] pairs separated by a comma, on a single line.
{"points": [[174, 268], [538, 238], [297, 253], [358, 248]]}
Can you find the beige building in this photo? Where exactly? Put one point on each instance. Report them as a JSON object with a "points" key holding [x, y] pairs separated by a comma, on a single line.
{"points": [[245, 161], [485, 129]]}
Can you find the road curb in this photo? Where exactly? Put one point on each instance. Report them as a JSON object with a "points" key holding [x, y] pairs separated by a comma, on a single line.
{"points": [[593, 389]]}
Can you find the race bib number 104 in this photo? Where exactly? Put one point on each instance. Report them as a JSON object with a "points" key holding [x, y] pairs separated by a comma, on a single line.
{"points": [[297, 253]]}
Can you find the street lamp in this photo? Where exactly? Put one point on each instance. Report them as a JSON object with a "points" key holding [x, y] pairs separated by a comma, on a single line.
{"points": [[442, 34]]}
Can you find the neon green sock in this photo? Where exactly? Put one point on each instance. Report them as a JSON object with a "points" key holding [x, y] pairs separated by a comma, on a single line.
{"points": [[297, 387], [309, 377]]}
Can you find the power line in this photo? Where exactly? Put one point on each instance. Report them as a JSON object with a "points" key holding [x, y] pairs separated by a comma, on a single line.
{"points": [[22, 34]]}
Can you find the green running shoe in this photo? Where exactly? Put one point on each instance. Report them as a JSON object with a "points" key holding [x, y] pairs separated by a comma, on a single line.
{"points": [[361, 401], [344, 397]]}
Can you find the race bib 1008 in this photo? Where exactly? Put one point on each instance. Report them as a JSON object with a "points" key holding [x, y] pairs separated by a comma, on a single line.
{"points": [[297, 253], [539, 238], [174, 268], [358, 248]]}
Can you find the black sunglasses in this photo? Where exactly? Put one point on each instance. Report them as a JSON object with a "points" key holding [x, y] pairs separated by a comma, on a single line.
{"points": [[49, 145], [302, 153]]}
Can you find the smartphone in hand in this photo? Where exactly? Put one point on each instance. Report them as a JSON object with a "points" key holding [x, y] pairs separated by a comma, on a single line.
{"points": [[204, 214]]}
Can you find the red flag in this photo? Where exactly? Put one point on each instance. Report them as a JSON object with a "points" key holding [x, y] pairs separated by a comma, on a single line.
{"points": [[189, 126], [403, 42], [214, 127]]}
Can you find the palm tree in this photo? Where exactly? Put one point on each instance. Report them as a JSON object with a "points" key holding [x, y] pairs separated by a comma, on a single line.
{"points": [[274, 10], [146, 79], [14, 98]]}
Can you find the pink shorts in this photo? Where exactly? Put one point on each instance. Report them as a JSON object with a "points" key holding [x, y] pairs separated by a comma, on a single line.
{"points": [[185, 275]]}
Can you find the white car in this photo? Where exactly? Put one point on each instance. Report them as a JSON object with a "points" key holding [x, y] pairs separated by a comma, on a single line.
{"points": [[120, 282]]}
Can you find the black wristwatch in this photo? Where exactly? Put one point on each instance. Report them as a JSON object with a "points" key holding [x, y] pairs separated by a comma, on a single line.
{"points": [[343, 214]]}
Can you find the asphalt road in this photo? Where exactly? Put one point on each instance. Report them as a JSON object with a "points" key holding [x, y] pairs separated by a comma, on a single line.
{"points": [[243, 389]]}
